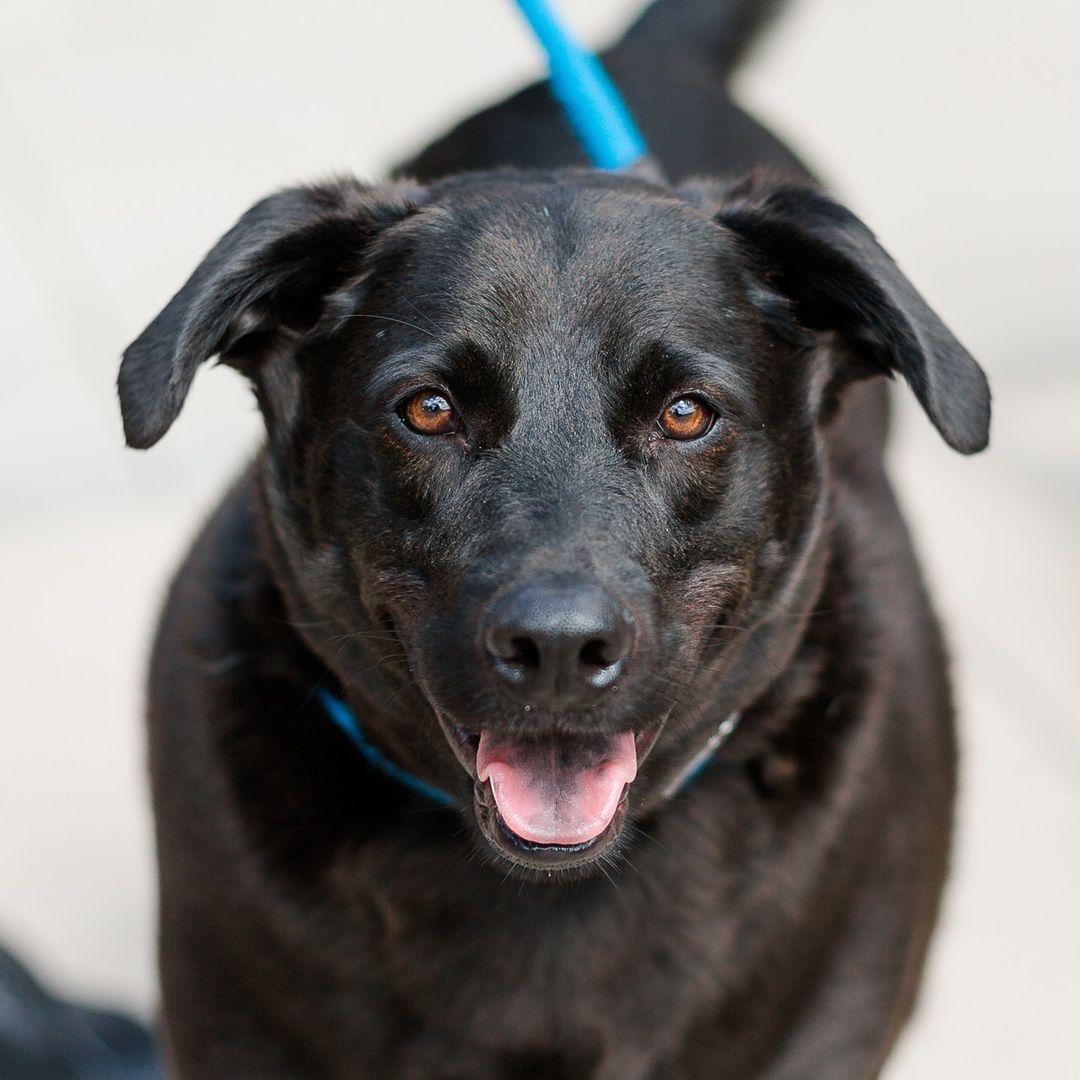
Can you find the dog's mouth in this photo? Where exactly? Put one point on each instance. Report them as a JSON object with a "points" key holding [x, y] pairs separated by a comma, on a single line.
{"points": [[558, 799]]}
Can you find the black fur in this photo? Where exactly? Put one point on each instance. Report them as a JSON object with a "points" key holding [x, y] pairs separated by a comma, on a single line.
{"points": [[769, 921]]}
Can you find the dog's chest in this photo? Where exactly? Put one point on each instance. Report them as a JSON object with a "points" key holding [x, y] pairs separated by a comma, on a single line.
{"points": [[591, 983]]}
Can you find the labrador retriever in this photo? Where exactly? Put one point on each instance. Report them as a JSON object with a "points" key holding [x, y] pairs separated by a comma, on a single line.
{"points": [[556, 694]]}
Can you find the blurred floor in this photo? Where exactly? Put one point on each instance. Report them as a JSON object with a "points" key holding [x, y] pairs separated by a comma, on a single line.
{"points": [[133, 134]]}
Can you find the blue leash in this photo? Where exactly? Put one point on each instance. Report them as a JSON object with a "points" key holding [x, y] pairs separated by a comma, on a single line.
{"points": [[593, 105]]}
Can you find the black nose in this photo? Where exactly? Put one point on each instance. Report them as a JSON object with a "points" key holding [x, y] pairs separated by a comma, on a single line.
{"points": [[557, 644]]}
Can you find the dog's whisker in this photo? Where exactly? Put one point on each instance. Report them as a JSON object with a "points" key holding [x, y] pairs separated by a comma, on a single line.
{"points": [[401, 296], [384, 318]]}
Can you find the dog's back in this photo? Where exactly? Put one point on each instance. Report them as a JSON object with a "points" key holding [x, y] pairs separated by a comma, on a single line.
{"points": [[673, 67]]}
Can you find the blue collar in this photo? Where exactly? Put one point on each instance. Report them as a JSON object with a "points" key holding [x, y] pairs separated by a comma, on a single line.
{"points": [[346, 720]]}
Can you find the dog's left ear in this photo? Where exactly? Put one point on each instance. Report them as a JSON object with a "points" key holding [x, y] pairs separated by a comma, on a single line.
{"points": [[269, 274], [826, 263]]}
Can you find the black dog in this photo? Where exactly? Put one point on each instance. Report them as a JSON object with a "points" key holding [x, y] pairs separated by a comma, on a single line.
{"points": [[572, 487]]}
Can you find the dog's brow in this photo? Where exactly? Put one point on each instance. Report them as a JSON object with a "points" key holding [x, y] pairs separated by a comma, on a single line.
{"points": [[461, 365], [407, 366], [661, 368]]}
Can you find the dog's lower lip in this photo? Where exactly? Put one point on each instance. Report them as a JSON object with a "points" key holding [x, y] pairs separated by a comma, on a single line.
{"points": [[645, 740], [462, 734]]}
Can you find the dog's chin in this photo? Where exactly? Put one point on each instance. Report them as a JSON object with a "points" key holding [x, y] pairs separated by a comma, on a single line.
{"points": [[556, 803]]}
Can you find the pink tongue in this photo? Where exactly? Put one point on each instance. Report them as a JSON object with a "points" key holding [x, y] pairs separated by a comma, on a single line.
{"points": [[545, 799]]}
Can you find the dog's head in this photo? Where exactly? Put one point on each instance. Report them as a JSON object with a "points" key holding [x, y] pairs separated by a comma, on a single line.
{"points": [[544, 451]]}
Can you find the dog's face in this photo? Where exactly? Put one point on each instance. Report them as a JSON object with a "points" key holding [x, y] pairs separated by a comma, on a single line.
{"points": [[545, 455]]}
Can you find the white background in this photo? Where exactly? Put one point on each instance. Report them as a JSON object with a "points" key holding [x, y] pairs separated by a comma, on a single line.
{"points": [[133, 133]]}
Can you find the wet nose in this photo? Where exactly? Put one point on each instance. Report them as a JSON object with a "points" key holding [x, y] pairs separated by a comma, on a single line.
{"points": [[556, 644]]}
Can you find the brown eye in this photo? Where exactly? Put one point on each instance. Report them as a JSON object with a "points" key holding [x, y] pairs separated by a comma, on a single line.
{"points": [[428, 412], [686, 418]]}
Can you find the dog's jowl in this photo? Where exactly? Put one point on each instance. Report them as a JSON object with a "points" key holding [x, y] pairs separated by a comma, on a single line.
{"points": [[555, 695]]}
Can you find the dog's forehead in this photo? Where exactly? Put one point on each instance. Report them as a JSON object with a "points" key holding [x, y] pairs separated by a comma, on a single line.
{"points": [[527, 258], [554, 295]]}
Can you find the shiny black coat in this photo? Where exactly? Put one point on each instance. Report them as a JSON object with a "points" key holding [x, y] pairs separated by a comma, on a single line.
{"points": [[768, 921]]}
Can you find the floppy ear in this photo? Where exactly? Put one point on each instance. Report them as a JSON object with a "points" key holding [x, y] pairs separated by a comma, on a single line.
{"points": [[269, 273], [836, 276]]}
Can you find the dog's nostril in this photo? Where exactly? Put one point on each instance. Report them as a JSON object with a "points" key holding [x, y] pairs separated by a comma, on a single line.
{"points": [[557, 643], [525, 652], [596, 654]]}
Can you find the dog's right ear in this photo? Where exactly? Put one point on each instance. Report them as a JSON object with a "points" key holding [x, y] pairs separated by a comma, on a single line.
{"points": [[268, 274], [836, 277]]}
